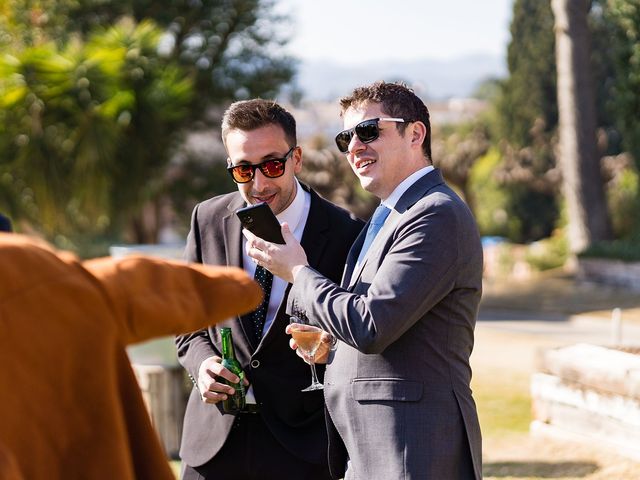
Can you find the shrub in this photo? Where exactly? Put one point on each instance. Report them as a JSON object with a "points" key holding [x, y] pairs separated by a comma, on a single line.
{"points": [[548, 253]]}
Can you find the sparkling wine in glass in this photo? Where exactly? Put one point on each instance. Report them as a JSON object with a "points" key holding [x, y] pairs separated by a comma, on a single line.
{"points": [[308, 338]]}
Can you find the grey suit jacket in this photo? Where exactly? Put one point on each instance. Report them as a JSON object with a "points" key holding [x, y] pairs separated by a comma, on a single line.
{"points": [[296, 419], [397, 388]]}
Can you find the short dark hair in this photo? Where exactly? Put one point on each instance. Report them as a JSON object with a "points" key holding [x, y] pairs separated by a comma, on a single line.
{"points": [[397, 100], [5, 224], [249, 115]]}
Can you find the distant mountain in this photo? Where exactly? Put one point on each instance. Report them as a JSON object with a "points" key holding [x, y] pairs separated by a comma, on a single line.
{"points": [[432, 79]]}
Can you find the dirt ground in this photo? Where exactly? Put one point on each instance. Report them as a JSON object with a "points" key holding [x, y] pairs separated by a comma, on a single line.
{"points": [[558, 291], [537, 458], [511, 357]]}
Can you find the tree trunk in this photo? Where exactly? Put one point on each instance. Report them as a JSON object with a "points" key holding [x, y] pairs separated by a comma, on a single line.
{"points": [[144, 225], [578, 157]]}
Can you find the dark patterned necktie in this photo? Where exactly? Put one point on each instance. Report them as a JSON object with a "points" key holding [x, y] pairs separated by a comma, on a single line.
{"points": [[264, 278]]}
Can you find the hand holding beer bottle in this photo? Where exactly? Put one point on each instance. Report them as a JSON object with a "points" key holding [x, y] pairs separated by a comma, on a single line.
{"points": [[236, 401], [218, 377]]}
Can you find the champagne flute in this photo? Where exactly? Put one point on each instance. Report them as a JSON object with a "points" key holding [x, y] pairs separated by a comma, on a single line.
{"points": [[308, 338]]}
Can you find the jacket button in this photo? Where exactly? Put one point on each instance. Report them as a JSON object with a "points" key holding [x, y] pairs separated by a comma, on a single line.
{"points": [[255, 363]]}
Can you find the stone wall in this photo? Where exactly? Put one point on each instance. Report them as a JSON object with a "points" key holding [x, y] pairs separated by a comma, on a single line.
{"points": [[611, 272], [165, 393], [589, 393]]}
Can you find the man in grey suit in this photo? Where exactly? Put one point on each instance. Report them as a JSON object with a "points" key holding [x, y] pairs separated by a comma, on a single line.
{"points": [[397, 387], [281, 433]]}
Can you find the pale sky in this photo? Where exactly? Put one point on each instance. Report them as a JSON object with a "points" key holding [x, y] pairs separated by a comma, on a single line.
{"points": [[355, 32]]}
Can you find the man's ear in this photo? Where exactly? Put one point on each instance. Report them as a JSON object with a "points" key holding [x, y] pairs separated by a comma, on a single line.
{"points": [[418, 133], [296, 157]]}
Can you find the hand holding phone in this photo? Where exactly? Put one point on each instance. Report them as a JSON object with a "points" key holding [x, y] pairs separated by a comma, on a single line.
{"points": [[260, 220]]}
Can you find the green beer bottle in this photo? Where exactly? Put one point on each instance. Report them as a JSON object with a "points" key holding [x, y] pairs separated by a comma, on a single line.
{"points": [[235, 402]]}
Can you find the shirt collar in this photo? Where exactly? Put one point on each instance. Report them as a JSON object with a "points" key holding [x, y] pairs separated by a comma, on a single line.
{"points": [[392, 199]]}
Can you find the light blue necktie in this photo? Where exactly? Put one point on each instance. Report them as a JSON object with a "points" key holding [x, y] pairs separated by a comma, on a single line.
{"points": [[377, 220]]}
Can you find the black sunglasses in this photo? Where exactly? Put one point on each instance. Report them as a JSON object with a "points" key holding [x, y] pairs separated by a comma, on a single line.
{"points": [[272, 168], [367, 131]]}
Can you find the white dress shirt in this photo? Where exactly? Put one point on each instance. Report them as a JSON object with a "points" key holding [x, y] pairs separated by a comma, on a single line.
{"points": [[296, 216]]}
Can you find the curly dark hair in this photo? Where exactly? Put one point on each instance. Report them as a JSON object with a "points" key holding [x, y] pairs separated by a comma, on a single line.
{"points": [[397, 100], [251, 114]]}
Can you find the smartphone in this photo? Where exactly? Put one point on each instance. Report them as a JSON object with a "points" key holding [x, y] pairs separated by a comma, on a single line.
{"points": [[260, 220]]}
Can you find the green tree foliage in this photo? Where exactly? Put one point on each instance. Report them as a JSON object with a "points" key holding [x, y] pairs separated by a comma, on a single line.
{"points": [[95, 96], [603, 64], [231, 47], [526, 119], [455, 150], [623, 194], [526, 108], [86, 129], [529, 93], [616, 47], [491, 211], [507, 211], [623, 18]]}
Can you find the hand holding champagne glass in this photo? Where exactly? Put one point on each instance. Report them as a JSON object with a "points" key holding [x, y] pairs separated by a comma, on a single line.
{"points": [[308, 339]]}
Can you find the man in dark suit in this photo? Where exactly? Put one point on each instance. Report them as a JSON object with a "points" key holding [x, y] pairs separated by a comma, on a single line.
{"points": [[282, 433], [5, 224], [397, 385]]}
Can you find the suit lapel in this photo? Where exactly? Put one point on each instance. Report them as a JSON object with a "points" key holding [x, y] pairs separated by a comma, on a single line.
{"points": [[352, 257], [414, 193], [385, 231], [418, 190], [314, 236], [232, 233]]}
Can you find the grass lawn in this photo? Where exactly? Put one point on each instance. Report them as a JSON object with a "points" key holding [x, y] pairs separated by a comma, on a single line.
{"points": [[175, 466], [504, 404]]}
